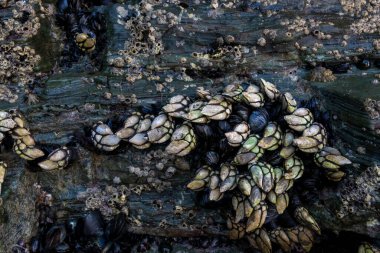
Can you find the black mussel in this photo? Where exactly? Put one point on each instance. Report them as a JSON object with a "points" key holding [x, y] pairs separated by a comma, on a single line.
{"points": [[117, 227], [203, 131], [363, 64], [152, 108], [55, 236], [274, 110], [93, 224], [224, 126], [286, 220], [112, 247], [272, 214], [165, 247], [338, 68], [62, 248], [242, 111], [62, 6], [224, 147], [35, 245], [183, 5], [258, 120], [212, 158], [273, 158], [19, 247], [234, 119], [376, 63]]}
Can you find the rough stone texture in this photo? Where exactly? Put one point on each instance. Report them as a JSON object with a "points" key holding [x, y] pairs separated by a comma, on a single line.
{"points": [[74, 98]]}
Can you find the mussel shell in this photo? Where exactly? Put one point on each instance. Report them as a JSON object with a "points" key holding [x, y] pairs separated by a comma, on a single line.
{"points": [[55, 236], [235, 119], [117, 227], [93, 224], [242, 111], [212, 158], [203, 131], [63, 248], [339, 68], [274, 110], [258, 120], [363, 64], [224, 126]]}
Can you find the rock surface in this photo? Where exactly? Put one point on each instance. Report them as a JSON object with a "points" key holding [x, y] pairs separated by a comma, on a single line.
{"points": [[73, 98]]}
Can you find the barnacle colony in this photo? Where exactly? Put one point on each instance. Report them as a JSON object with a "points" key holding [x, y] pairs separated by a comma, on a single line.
{"points": [[252, 139], [24, 145]]}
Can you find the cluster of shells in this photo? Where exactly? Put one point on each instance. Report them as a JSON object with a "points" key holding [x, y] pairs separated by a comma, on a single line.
{"points": [[13, 124], [17, 64], [241, 115], [24, 22], [145, 38]]}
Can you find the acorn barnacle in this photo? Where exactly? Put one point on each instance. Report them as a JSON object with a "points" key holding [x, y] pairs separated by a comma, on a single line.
{"points": [[162, 128], [249, 152], [260, 240], [313, 138], [300, 119], [57, 159], [183, 141], [330, 158], [303, 216], [233, 92], [228, 177], [103, 137], [140, 139], [280, 237], [238, 135], [217, 108], [270, 90], [257, 218], [3, 170], [288, 149], [26, 149], [201, 179], [242, 206], [263, 175], [236, 230], [195, 113], [272, 138], [289, 104], [85, 42], [6, 122], [368, 248], [130, 126], [302, 236], [214, 185], [293, 168], [177, 106], [253, 97]]}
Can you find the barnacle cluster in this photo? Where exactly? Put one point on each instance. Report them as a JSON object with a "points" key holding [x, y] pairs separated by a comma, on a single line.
{"points": [[13, 124], [251, 136], [367, 11], [321, 74], [368, 248], [109, 201], [17, 64], [361, 193], [372, 107], [24, 22], [3, 170], [225, 50], [301, 25], [142, 21], [145, 39]]}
